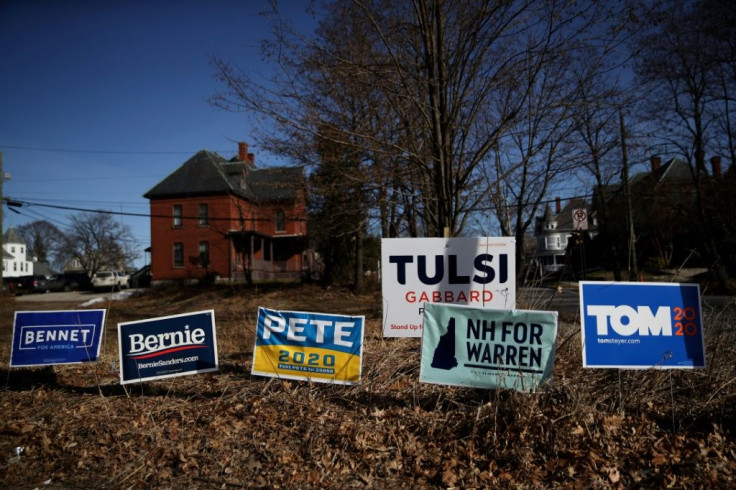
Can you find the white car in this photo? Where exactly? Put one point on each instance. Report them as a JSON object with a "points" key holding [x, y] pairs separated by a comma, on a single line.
{"points": [[109, 280]]}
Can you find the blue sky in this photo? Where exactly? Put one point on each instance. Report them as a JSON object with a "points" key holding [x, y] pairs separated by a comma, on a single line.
{"points": [[100, 100]]}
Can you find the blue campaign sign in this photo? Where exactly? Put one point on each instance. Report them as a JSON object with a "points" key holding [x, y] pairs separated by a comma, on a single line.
{"points": [[641, 325], [168, 346], [43, 338]]}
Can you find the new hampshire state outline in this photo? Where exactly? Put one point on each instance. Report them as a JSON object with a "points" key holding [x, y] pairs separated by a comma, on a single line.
{"points": [[444, 353]]}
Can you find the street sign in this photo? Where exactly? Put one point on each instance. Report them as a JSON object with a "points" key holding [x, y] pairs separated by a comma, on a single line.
{"points": [[579, 219]]}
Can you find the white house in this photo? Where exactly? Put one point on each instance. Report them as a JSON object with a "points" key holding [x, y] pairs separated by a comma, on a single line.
{"points": [[554, 230], [15, 260]]}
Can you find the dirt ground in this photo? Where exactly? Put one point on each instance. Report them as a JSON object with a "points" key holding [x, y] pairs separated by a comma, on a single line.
{"points": [[77, 427]]}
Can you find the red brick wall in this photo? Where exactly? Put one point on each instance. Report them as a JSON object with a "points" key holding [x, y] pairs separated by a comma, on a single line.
{"points": [[190, 234], [223, 214]]}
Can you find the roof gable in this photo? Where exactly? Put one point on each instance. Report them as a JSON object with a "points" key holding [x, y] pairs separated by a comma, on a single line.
{"points": [[208, 173], [12, 236], [201, 174]]}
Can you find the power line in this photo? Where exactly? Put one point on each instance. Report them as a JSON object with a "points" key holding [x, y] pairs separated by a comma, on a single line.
{"points": [[13, 203], [109, 152]]}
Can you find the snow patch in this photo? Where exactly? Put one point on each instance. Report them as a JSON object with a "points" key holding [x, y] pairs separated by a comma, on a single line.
{"points": [[110, 297]]}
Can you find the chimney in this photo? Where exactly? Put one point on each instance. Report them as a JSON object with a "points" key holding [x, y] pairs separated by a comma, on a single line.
{"points": [[242, 151], [558, 205], [252, 159], [715, 163], [655, 163]]}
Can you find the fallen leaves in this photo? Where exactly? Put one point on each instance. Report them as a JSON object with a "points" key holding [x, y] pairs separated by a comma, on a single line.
{"points": [[232, 429]]}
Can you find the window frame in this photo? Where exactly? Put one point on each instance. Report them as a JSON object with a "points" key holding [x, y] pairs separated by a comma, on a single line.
{"points": [[203, 216], [204, 254], [177, 213], [180, 247], [279, 219]]}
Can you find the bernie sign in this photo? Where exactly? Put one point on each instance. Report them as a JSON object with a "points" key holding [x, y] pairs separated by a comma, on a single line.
{"points": [[168, 346], [308, 346], [641, 325], [465, 271], [484, 348], [43, 338]]}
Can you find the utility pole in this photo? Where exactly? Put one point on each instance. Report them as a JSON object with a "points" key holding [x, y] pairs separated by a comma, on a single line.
{"points": [[2, 178], [633, 268]]}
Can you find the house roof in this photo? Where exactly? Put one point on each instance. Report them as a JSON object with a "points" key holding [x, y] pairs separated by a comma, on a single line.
{"points": [[207, 173], [12, 236], [564, 218]]}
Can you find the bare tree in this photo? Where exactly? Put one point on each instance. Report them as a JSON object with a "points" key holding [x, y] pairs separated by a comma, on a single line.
{"points": [[681, 68], [97, 240], [43, 241], [444, 77]]}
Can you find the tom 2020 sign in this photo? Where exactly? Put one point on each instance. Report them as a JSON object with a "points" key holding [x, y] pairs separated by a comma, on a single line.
{"points": [[641, 325], [315, 346]]}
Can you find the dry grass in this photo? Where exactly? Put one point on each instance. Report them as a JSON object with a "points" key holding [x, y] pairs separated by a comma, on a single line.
{"points": [[590, 428]]}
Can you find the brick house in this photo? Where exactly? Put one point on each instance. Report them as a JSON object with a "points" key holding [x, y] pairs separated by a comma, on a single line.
{"points": [[227, 220]]}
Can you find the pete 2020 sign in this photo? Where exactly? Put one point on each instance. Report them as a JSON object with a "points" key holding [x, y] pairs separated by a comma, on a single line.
{"points": [[641, 325], [484, 348], [465, 271], [308, 346], [167, 346], [43, 338]]}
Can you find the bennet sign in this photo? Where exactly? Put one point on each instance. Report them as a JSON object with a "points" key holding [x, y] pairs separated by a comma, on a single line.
{"points": [[43, 338]]}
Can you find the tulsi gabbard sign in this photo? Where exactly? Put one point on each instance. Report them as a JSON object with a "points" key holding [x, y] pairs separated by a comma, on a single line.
{"points": [[469, 271], [314, 346], [484, 348], [641, 325], [168, 346], [56, 337]]}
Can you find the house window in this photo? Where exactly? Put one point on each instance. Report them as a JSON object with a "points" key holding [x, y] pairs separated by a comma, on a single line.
{"points": [[280, 220], [178, 254], [203, 215], [177, 216], [12, 249], [204, 254], [21, 251], [15, 266]]}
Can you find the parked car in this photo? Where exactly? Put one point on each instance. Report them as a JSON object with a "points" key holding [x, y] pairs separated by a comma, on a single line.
{"points": [[69, 281], [37, 283], [112, 280], [124, 279], [141, 278]]}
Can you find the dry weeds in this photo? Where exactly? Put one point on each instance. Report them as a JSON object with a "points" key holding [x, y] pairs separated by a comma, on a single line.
{"points": [[591, 428]]}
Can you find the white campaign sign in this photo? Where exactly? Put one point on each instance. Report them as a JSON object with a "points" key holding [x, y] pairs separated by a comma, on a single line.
{"points": [[462, 271]]}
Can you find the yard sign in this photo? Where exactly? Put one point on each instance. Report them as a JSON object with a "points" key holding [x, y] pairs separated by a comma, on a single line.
{"points": [[167, 346], [485, 348], [43, 338], [464, 271], [641, 325], [308, 346]]}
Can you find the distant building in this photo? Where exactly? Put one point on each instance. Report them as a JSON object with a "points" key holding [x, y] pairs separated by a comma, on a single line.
{"points": [[554, 231], [15, 255], [226, 219]]}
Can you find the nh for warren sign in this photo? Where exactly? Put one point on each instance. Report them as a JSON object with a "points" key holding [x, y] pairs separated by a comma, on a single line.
{"points": [[463, 271], [485, 348]]}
